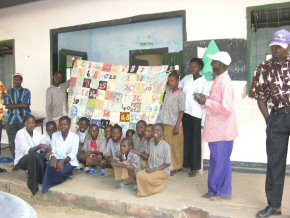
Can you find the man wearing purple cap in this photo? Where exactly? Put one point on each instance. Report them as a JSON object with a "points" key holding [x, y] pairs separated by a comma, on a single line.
{"points": [[18, 104], [271, 88], [220, 128]]}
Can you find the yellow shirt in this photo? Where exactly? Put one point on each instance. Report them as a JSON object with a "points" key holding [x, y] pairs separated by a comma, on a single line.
{"points": [[3, 92]]}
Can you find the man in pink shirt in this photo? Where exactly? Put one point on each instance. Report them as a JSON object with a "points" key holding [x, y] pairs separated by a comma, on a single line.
{"points": [[220, 127]]}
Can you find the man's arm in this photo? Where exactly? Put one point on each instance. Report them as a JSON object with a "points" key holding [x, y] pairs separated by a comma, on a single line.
{"points": [[263, 108]]}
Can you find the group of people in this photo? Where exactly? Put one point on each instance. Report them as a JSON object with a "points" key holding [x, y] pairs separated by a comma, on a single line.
{"points": [[193, 109]]}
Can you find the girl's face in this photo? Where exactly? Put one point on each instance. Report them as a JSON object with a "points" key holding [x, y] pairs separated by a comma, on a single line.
{"points": [[116, 135], [125, 147], [108, 133], [94, 132]]}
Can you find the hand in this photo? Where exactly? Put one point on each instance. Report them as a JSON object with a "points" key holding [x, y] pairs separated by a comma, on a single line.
{"points": [[149, 170], [46, 148], [53, 162], [176, 130], [200, 98], [60, 165]]}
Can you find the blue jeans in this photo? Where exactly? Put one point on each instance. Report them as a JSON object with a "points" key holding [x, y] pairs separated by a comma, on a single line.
{"points": [[53, 177]]}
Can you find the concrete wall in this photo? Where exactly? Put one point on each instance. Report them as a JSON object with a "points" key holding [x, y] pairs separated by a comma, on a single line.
{"points": [[30, 24]]}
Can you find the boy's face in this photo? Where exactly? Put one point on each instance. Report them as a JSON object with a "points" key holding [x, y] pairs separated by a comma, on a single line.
{"points": [[116, 135], [172, 82], [148, 132], [158, 132], [125, 147], [94, 132], [140, 128], [108, 133], [83, 125], [50, 129], [129, 134]]}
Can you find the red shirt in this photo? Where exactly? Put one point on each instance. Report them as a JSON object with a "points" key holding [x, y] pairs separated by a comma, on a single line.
{"points": [[94, 147]]}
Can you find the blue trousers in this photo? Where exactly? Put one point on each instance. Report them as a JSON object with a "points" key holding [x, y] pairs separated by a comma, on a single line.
{"points": [[220, 170], [53, 177]]}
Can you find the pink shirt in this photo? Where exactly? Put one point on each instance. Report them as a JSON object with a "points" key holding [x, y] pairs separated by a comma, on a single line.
{"points": [[220, 121]]}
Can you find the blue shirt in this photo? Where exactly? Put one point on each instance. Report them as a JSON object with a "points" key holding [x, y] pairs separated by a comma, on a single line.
{"points": [[17, 96]]}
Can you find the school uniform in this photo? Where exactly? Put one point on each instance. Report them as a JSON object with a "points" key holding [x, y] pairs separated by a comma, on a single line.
{"points": [[112, 148], [139, 143], [93, 145], [126, 175], [61, 149], [156, 182], [33, 162], [174, 102]]}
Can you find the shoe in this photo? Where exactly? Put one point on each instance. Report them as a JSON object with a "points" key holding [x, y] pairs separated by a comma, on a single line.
{"points": [[103, 172], [191, 173], [135, 188], [87, 169], [172, 172], [269, 211], [206, 195], [123, 186], [2, 170], [93, 171], [81, 166]]}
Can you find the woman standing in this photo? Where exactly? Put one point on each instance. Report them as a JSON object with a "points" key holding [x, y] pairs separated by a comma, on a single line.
{"points": [[193, 116]]}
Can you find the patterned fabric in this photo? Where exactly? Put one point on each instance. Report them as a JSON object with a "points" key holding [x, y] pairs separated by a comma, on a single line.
{"points": [[112, 148], [17, 96], [174, 102], [159, 155], [220, 121], [271, 83], [139, 144], [3, 91]]}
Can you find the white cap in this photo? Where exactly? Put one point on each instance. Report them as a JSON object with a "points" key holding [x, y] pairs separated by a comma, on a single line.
{"points": [[221, 56]]}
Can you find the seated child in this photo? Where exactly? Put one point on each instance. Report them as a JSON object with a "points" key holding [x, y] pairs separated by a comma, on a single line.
{"points": [[148, 135], [82, 132], [113, 146], [46, 138], [154, 179], [127, 166], [130, 133], [108, 133], [138, 139], [93, 149]]}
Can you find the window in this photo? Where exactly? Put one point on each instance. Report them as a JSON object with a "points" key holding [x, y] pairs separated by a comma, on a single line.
{"points": [[263, 21]]}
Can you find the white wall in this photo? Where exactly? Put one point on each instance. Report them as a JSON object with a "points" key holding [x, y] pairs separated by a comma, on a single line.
{"points": [[29, 25]]}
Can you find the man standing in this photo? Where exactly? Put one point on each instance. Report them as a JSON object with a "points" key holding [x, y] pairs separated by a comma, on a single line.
{"points": [[18, 104], [220, 127], [56, 99], [271, 88], [3, 92]]}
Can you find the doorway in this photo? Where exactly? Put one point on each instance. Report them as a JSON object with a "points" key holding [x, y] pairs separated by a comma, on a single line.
{"points": [[7, 62]]}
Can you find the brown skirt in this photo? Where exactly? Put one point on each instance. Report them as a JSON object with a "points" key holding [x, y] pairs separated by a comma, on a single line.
{"points": [[151, 183], [176, 145]]}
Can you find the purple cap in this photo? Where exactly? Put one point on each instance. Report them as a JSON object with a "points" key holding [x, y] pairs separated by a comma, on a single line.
{"points": [[281, 37]]}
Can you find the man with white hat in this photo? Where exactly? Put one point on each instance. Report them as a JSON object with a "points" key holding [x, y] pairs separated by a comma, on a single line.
{"points": [[220, 127], [271, 88], [18, 104]]}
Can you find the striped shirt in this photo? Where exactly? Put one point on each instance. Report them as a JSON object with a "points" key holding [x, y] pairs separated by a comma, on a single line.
{"points": [[159, 155], [17, 96], [112, 148]]}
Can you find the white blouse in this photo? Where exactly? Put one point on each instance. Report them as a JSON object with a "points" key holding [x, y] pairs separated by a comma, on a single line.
{"points": [[68, 147], [23, 142]]}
